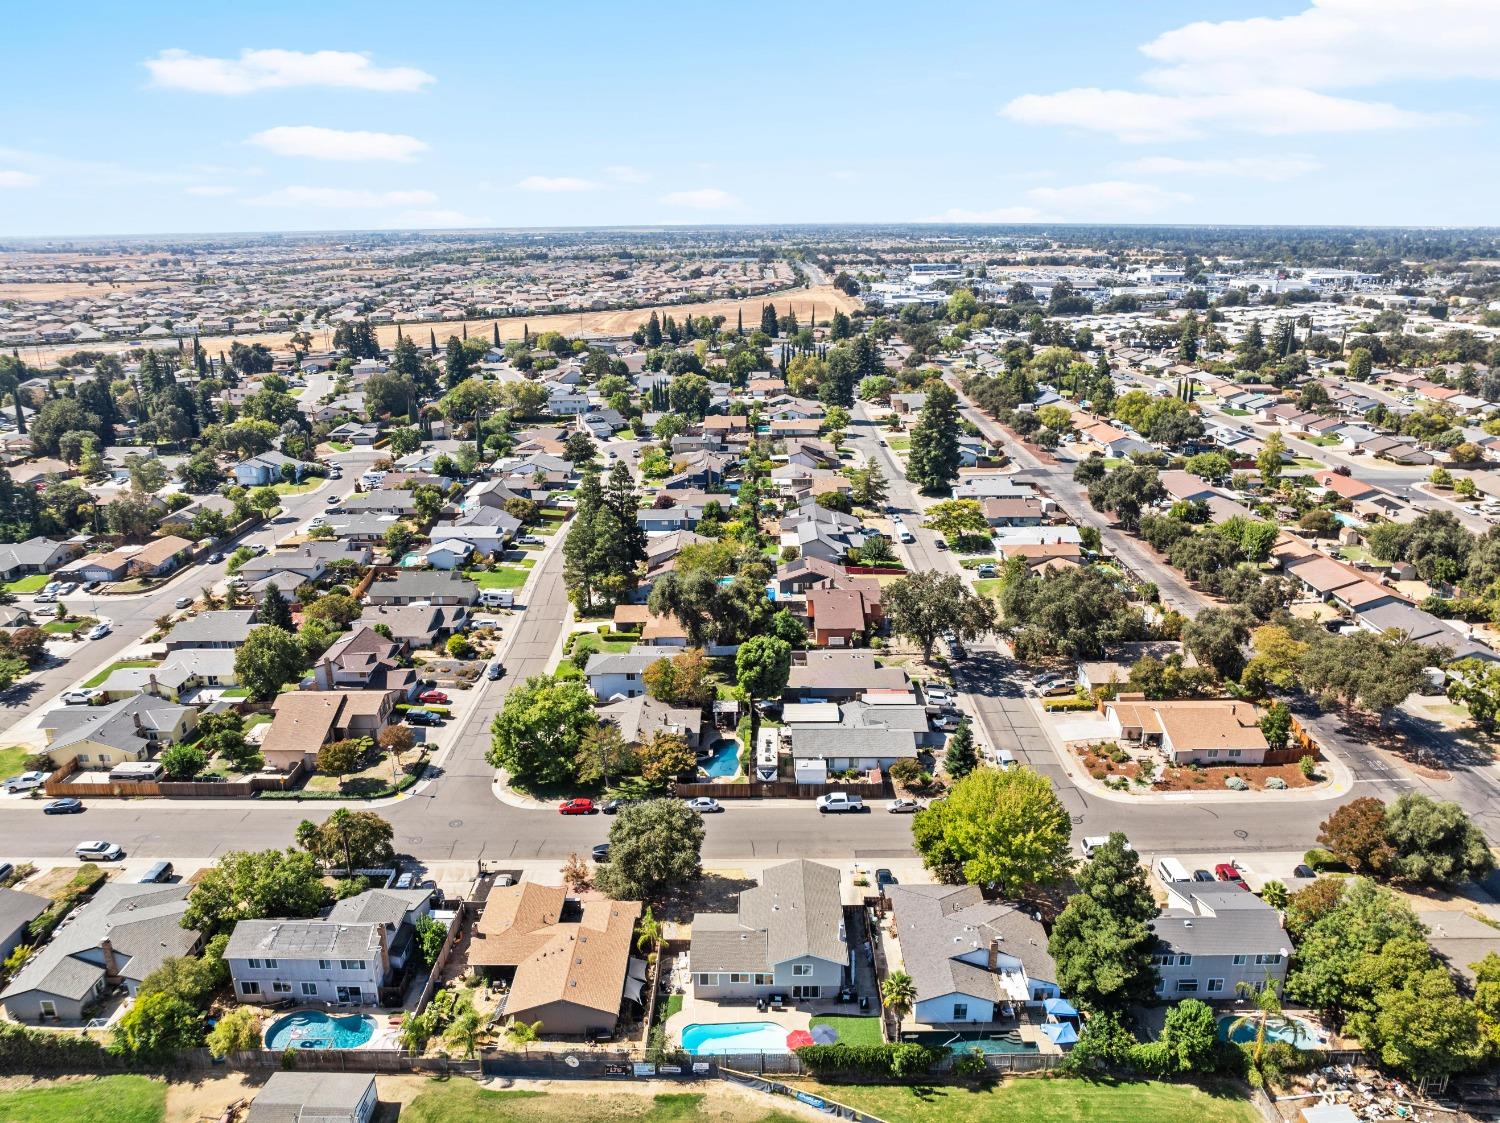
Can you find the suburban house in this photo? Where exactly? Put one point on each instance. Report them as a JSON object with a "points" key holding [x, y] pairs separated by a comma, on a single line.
{"points": [[638, 717], [618, 676], [35, 555], [347, 956], [17, 910], [972, 960], [158, 557], [1018, 510], [117, 939], [1212, 936], [224, 628], [268, 468], [1215, 731], [840, 614], [100, 737], [315, 1097], [306, 720], [410, 586], [569, 964], [363, 659], [837, 674], [176, 679], [787, 938], [415, 625]]}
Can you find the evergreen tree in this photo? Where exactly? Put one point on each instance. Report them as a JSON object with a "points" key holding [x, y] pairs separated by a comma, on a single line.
{"points": [[768, 319], [1102, 940], [581, 571], [653, 331], [457, 362], [934, 456], [961, 758], [739, 322], [431, 342], [274, 611]]}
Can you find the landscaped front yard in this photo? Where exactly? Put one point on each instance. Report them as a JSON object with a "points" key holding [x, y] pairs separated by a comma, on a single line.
{"points": [[121, 665], [31, 583], [13, 759], [310, 484], [108, 1099], [501, 577]]}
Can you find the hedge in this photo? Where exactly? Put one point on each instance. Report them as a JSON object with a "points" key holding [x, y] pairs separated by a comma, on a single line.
{"points": [[29, 1050], [381, 793], [888, 1059], [1065, 705]]}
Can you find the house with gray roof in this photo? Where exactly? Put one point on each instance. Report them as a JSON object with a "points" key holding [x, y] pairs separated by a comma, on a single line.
{"points": [[1212, 936], [17, 910], [972, 960], [618, 675], [100, 737], [787, 938], [315, 1097], [837, 675], [430, 586], [117, 939], [223, 628], [35, 555]]}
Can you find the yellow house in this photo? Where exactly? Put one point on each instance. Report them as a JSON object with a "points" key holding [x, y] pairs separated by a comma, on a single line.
{"points": [[100, 737]]}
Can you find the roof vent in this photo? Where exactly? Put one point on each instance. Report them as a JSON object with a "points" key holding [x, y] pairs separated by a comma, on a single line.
{"points": [[1187, 923]]}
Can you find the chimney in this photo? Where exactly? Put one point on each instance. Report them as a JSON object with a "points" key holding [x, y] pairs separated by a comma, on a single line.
{"points": [[152, 688], [994, 958], [111, 964], [140, 726]]}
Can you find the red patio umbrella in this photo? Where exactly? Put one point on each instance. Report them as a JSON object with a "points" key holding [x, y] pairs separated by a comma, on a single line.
{"points": [[798, 1038]]}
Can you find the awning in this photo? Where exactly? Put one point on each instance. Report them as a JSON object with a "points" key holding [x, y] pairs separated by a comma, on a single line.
{"points": [[635, 979], [1060, 1008], [1060, 1033]]}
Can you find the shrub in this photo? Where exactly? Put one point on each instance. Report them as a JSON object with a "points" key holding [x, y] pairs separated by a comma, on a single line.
{"points": [[871, 1060], [1320, 860]]}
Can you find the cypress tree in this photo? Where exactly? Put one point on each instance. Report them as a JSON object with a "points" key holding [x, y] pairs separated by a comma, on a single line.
{"points": [[497, 333], [431, 342]]}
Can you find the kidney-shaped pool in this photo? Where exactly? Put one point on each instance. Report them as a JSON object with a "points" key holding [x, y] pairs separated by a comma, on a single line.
{"points": [[313, 1029]]}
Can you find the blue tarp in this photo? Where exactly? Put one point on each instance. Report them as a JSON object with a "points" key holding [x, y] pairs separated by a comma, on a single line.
{"points": [[1060, 1008]]}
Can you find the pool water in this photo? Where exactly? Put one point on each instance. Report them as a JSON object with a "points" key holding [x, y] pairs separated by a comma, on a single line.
{"points": [[723, 760], [734, 1037], [313, 1029], [1301, 1034]]}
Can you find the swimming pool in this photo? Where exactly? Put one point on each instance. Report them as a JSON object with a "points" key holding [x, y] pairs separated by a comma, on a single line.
{"points": [[1300, 1034], [313, 1029], [723, 760], [734, 1037]]}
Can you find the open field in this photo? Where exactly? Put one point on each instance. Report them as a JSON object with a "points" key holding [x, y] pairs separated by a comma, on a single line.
{"points": [[463, 1099], [820, 299], [109, 1099], [1039, 1100]]}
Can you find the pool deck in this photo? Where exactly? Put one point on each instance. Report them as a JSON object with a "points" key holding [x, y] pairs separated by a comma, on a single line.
{"points": [[386, 1035], [696, 1011]]}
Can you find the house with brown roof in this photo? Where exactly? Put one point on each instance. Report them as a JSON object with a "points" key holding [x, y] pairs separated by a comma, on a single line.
{"points": [[364, 660], [1213, 732], [839, 616], [1013, 511], [306, 720], [568, 963]]}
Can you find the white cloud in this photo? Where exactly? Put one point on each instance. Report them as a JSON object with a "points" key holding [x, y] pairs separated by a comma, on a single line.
{"points": [[13, 178], [702, 199], [999, 214], [1141, 117], [1107, 200], [555, 183], [314, 143], [279, 70], [210, 190], [437, 216], [1272, 168], [624, 173], [342, 197]]}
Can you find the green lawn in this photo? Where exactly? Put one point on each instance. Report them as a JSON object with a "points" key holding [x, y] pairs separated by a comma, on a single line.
{"points": [[13, 758], [1325, 442], [310, 484], [988, 586], [64, 627], [121, 665], [31, 583], [501, 577], [1234, 411], [852, 1031], [899, 444], [673, 1005], [454, 1099], [1038, 1100], [340, 446], [108, 1099]]}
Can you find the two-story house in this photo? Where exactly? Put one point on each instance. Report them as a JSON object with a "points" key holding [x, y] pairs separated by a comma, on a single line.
{"points": [[1210, 937]]}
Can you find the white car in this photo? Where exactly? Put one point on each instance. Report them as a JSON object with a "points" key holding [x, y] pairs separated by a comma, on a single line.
{"points": [[26, 782], [938, 696], [1090, 844], [99, 631], [46, 597], [704, 805], [79, 697], [98, 852]]}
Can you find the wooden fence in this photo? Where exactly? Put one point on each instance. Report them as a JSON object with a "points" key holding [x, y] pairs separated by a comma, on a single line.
{"points": [[61, 784], [778, 789]]}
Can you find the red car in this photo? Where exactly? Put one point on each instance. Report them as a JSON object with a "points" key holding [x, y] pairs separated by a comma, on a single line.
{"points": [[576, 807], [433, 697], [1228, 871]]}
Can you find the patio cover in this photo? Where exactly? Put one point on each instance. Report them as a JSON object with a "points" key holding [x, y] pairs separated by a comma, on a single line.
{"points": [[635, 978], [1060, 1033], [1060, 1008]]}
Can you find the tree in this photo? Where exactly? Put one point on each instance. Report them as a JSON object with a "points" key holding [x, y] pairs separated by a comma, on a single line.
{"points": [[1435, 842], [933, 458], [404, 441], [958, 518], [1374, 672], [1475, 683], [1425, 1028], [522, 1033], [664, 756], [1268, 460], [1355, 834], [961, 758], [356, 839], [683, 680], [602, 753], [397, 740], [464, 1030], [252, 885], [1276, 725], [689, 395], [1004, 828], [431, 934], [1355, 940], [1265, 1015], [1126, 492], [191, 978], [268, 658], [236, 1031], [339, 609], [274, 611], [158, 1026], [924, 605], [1076, 613], [538, 731], [183, 762], [868, 485], [1209, 465], [654, 848], [898, 994], [1188, 1040], [762, 666], [1102, 941], [1215, 637]]}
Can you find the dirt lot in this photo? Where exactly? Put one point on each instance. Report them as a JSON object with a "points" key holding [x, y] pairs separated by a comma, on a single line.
{"points": [[822, 300]]}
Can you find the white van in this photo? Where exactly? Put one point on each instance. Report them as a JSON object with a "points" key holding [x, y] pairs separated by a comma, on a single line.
{"points": [[136, 771], [1169, 869], [497, 598], [1005, 758]]}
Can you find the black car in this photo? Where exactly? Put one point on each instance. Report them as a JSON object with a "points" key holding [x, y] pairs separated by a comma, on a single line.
{"points": [[65, 806], [601, 852], [884, 877], [1202, 875], [215, 557], [423, 717], [611, 806], [1302, 871]]}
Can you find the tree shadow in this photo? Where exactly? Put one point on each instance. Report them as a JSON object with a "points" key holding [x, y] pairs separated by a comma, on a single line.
{"points": [[712, 892]]}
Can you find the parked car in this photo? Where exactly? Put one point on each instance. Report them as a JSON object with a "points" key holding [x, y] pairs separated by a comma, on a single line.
{"points": [[1303, 871], [576, 807], [988, 569], [423, 717], [613, 806], [25, 782], [494, 671], [44, 597], [99, 631], [947, 722], [1228, 871], [903, 806], [1093, 842], [940, 543], [215, 558], [258, 548], [938, 696], [80, 697], [333, 501], [406, 880], [91, 586], [601, 852], [840, 803], [529, 540], [883, 878], [159, 872], [182, 602], [98, 852], [704, 805], [433, 697], [65, 806], [1202, 875]]}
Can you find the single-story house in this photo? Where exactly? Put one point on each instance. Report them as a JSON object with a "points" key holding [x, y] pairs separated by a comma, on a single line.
{"points": [[305, 720], [315, 1097], [1214, 731]]}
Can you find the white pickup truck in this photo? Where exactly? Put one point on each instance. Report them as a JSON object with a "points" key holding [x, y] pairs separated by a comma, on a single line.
{"points": [[839, 803]]}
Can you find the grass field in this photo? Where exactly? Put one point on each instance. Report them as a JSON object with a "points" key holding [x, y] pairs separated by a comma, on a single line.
{"points": [[64, 627], [988, 586], [109, 1099], [298, 489], [852, 1031], [340, 446], [1044, 1101], [465, 1100], [31, 583], [121, 665], [501, 577]]}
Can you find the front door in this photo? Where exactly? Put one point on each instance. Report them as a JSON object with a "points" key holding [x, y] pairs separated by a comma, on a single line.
{"points": [[350, 994], [807, 991]]}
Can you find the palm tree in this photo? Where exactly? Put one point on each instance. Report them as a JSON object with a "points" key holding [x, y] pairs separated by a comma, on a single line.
{"points": [[1266, 1015], [209, 597], [464, 1030], [649, 932], [340, 821], [898, 994], [523, 1033]]}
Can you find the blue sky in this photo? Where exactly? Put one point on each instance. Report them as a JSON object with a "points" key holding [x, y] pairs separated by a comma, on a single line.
{"points": [[176, 117]]}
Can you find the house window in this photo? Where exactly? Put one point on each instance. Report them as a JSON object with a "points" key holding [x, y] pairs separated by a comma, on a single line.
{"points": [[801, 970], [248, 987], [1215, 986], [272, 963], [253, 964], [352, 964], [707, 980], [1268, 959], [1241, 960], [309, 989], [764, 979], [960, 1011], [83, 758], [280, 987], [325, 965], [1212, 753], [739, 977], [1184, 960], [1234, 754], [1186, 986], [1161, 986], [48, 1008]]}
